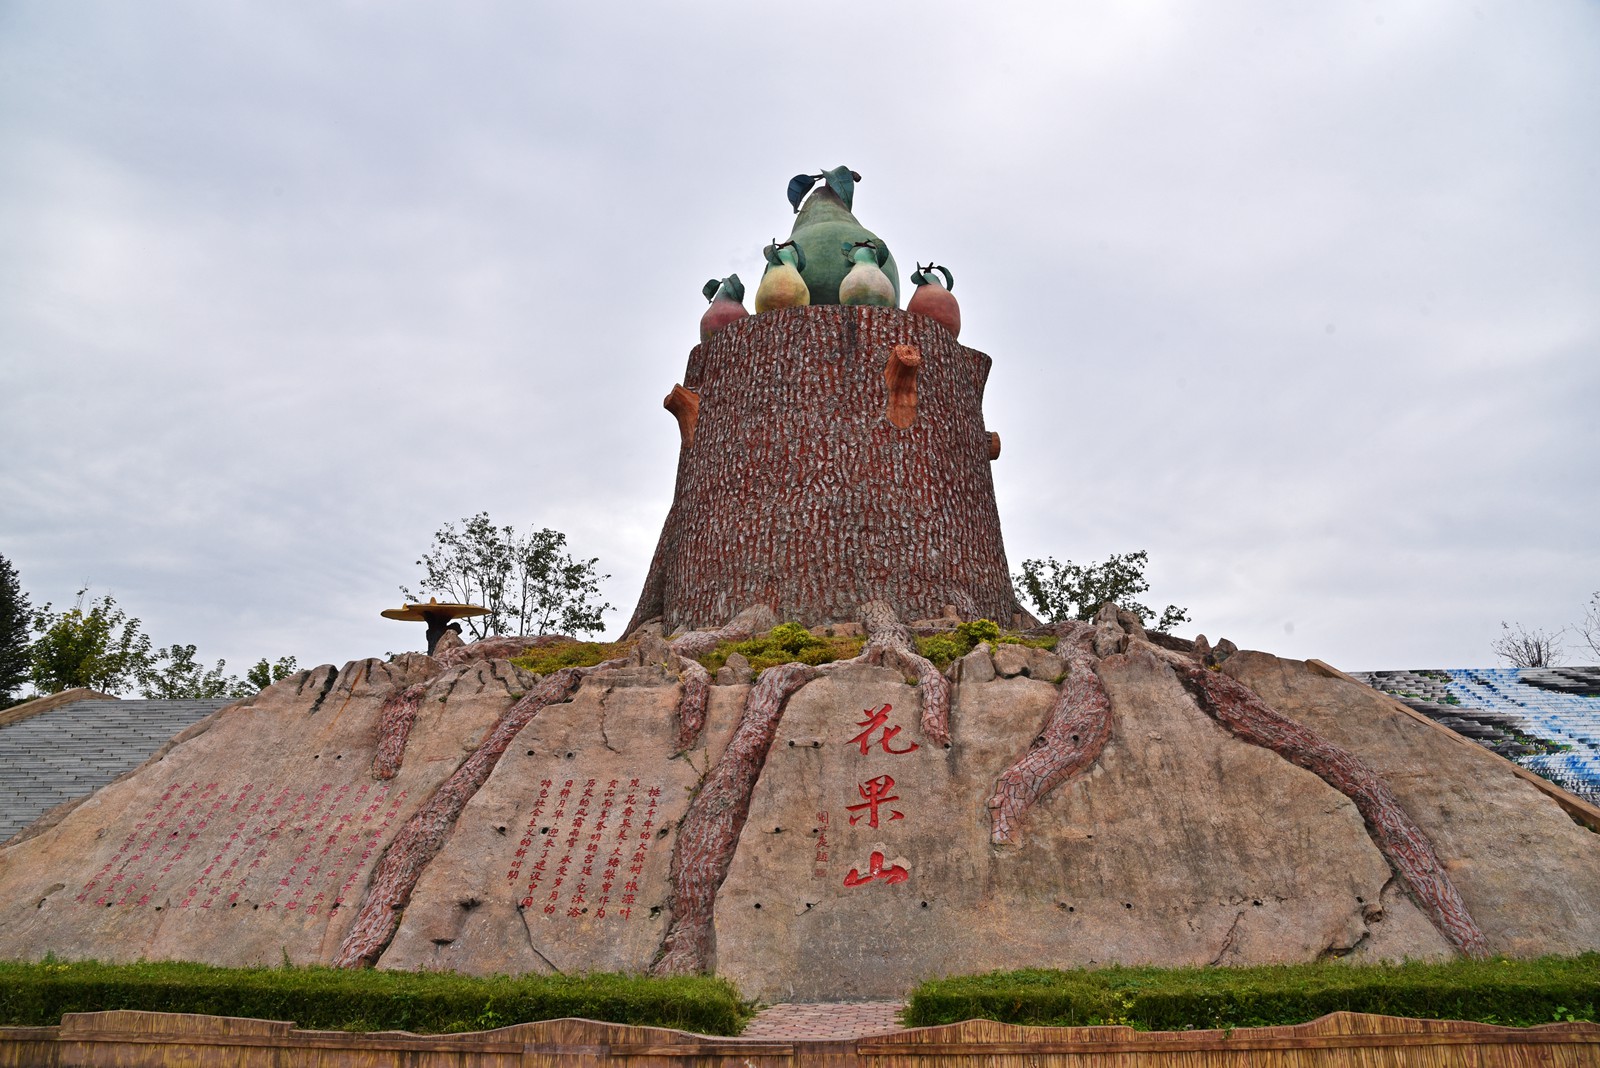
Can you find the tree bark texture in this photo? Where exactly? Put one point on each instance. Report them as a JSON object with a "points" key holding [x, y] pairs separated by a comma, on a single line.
{"points": [[710, 830], [420, 840], [395, 720], [796, 490], [1079, 728], [1397, 836]]}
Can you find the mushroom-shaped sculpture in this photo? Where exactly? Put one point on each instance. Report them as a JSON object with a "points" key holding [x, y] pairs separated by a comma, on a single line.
{"points": [[435, 615]]}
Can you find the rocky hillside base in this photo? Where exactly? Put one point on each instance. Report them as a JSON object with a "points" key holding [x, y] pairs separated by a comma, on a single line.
{"points": [[814, 837]]}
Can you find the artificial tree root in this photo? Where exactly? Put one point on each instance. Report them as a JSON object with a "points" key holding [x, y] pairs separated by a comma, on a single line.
{"points": [[1397, 836], [696, 682], [696, 679], [425, 833], [709, 832], [1079, 727], [889, 642], [395, 719]]}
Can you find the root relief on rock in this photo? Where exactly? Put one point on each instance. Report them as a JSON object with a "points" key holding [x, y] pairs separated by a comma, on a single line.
{"points": [[395, 719], [710, 829], [425, 834], [1403, 844], [1077, 732]]}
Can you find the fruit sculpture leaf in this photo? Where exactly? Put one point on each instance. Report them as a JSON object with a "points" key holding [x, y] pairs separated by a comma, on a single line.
{"points": [[924, 276], [799, 186]]}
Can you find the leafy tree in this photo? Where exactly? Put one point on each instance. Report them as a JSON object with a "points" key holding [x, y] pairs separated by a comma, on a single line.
{"points": [[175, 675], [1061, 592], [528, 582], [1523, 648], [15, 657], [264, 674], [100, 647]]}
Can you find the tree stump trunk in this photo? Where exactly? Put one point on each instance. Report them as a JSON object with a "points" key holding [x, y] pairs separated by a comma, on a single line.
{"points": [[796, 489]]}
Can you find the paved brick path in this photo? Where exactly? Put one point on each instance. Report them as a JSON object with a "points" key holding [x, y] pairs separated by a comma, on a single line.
{"points": [[837, 1020]]}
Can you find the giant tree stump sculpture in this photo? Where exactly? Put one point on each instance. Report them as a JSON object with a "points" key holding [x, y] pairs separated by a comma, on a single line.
{"points": [[838, 456]]}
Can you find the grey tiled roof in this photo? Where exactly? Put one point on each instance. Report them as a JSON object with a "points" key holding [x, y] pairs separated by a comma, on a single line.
{"points": [[74, 750], [1546, 719]]}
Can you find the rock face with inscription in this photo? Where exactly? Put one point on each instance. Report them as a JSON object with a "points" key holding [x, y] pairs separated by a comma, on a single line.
{"points": [[817, 837]]}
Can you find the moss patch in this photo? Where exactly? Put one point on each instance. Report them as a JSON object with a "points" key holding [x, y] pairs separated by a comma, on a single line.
{"points": [[570, 654]]}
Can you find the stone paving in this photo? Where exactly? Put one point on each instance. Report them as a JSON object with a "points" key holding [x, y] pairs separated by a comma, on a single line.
{"points": [[74, 750], [825, 1021]]}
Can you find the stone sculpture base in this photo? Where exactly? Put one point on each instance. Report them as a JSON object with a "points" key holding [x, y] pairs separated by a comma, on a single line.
{"points": [[868, 860]]}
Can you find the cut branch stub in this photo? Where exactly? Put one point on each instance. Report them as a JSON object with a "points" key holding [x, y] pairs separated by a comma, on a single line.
{"points": [[1396, 834], [900, 376], [994, 445], [710, 830], [1078, 730], [684, 404]]}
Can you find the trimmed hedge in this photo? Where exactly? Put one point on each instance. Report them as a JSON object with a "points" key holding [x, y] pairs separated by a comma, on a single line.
{"points": [[1518, 993], [323, 999]]}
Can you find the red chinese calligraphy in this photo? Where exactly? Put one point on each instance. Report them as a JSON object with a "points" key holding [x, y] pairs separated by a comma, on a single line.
{"points": [[875, 792], [894, 873], [879, 719]]}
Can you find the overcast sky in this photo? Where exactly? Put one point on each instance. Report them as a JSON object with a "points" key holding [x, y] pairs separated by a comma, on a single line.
{"points": [[1304, 299]]}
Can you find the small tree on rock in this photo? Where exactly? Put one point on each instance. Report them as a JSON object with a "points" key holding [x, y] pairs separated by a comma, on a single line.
{"points": [[1062, 592], [529, 584]]}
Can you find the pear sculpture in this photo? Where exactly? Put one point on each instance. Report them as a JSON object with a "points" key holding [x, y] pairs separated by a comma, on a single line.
{"points": [[936, 301], [825, 222], [866, 283], [727, 304], [782, 285]]}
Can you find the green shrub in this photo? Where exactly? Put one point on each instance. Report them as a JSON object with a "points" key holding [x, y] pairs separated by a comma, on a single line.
{"points": [[37, 994], [1509, 992], [784, 644]]}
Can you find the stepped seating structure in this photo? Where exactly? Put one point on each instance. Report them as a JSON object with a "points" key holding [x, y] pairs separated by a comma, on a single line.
{"points": [[66, 752], [1545, 719]]}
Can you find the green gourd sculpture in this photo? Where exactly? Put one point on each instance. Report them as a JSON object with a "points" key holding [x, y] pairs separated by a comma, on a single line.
{"points": [[782, 286], [936, 301], [823, 224], [866, 283], [727, 304]]}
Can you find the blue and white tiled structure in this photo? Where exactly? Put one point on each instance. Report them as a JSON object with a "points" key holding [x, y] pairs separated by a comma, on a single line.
{"points": [[1546, 719]]}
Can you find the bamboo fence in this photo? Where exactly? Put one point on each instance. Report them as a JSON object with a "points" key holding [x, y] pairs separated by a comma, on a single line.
{"points": [[1341, 1040]]}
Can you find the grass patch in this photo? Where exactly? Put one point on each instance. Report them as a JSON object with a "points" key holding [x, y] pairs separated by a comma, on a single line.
{"points": [[1518, 993], [334, 999], [786, 643], [542, 661], [943, 649]]}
